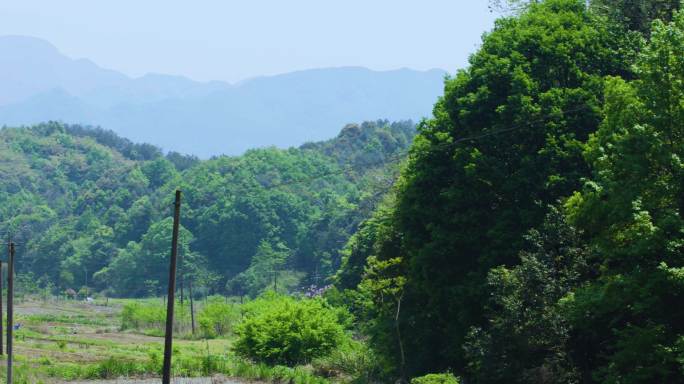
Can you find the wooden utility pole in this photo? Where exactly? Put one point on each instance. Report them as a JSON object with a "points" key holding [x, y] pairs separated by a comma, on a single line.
{"points": [[168, 342], [181, 286], [182, 274], [181, 289], [275, 280], [10, 309], [192, 307]]}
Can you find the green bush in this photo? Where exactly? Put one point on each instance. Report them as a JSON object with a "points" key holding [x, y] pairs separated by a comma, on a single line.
{"points": [[218, 318], [353, 360], [436, 378], [283, 330]]}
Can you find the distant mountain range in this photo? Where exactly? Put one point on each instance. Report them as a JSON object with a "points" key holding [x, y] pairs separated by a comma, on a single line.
{"points": [[38, 83]]}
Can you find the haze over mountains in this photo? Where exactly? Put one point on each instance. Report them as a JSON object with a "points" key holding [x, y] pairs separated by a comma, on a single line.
{"points": [[38, 83]]}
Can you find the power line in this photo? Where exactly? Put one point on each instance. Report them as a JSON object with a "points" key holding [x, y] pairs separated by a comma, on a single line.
{"points": [[401, 154]]}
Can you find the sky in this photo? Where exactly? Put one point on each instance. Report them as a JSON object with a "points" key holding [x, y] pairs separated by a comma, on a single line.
{"points": [[234, 40]]}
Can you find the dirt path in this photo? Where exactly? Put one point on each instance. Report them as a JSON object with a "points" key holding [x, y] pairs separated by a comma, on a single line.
{"points": [[62, 308]]}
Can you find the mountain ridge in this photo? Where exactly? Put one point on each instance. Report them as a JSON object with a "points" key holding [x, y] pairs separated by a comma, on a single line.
{"points": [[204, 118]]}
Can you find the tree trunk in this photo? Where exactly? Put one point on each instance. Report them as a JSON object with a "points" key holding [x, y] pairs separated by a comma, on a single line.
{"points": [[401, 344]]}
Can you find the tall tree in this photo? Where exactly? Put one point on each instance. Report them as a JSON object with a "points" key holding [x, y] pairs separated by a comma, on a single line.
{"points": [[637, 15], [506, 141], [525, 339], [630, 322]]}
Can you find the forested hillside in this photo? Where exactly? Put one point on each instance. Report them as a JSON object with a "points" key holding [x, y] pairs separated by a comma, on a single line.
{"points": [[91, 208], [536, 232]]}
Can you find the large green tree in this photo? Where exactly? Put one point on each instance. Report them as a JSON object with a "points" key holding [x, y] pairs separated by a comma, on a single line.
{"points": [[629, 324], [148, 260], [506, 141], [526, 336], [637, 15]]}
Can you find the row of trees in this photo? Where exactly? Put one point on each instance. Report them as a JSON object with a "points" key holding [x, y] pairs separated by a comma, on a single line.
{"points": [[535, 234]]}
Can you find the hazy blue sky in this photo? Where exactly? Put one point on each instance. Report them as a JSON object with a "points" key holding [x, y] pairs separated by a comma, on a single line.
{"points": [[232, 40]]}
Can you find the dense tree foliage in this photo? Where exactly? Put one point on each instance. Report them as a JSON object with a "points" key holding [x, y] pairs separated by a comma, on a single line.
{"points": [[637, 15], [532, 96], [628, 324], [94, 208], [535, 234], [527, 334]]}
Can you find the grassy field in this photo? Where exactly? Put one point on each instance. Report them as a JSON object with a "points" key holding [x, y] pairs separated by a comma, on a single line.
{"points": [[67, 341]]}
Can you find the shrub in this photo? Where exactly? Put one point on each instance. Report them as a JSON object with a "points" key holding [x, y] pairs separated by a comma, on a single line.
{"points": [[217, 318], [61, 344], [436, 378], [353, 359], [279, 329]]}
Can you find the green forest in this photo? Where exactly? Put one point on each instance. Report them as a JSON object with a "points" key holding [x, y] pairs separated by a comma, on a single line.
{"points": [[530, 231], [91, 209], [535, 234]]}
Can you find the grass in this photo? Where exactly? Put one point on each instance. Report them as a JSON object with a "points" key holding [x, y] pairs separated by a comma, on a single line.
{"points": [[66, 341]]}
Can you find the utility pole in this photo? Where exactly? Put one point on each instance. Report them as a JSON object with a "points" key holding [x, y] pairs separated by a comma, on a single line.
{"points": [[275, 280], [192, 308], [168, 342], [182, 273], [181, 284], [316, 276], [10, 309], [181, 290]]}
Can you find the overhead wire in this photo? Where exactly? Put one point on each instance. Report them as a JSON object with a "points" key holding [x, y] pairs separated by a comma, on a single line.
{"points": [[401, 154]]}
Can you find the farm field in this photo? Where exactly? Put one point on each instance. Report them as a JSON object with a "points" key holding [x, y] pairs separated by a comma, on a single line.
{"points": [[60, 341]]}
